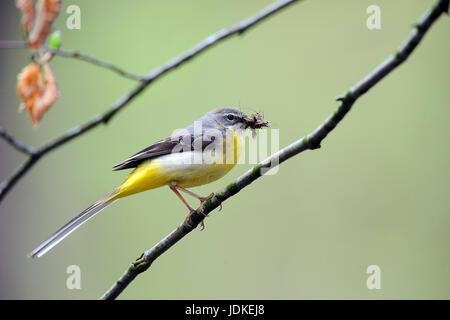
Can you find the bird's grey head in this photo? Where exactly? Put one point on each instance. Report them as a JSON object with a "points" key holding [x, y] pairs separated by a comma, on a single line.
{"points": [[229, 117], [234, 118]]}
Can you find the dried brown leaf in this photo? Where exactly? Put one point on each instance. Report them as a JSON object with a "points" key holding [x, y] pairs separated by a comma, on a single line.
{"points": [[27, 9], [47, 12], [37, 91]]}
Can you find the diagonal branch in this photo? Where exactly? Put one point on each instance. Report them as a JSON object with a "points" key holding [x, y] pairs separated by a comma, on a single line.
{"points": [[6, 185], [18, 145], [309, 142], [99, 62], [16, 44], [103, 118], [207, 43]]}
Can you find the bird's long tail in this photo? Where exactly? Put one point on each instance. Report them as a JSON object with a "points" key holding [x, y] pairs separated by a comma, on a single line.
{"points": [[73, 224]]}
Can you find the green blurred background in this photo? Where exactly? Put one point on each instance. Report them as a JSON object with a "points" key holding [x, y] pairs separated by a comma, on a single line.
{"points": [[376, 193]]}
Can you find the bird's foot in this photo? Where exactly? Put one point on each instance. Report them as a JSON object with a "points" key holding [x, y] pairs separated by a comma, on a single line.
{"points": [[186, 220], [201, 209], [204, 199], [202, 223]]}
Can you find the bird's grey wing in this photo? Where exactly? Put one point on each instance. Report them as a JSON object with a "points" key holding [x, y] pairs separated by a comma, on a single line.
{"points": [[165, 146]]}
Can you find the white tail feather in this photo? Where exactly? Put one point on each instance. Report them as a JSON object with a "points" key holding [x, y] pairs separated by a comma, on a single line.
{"points": [[69, 227]]}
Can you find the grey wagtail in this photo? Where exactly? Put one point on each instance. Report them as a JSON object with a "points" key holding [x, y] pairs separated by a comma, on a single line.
{"points": [[199, 154]]}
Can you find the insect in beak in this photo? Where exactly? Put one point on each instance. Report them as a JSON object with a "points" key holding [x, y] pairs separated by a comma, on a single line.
{"points": [[255, 121]]}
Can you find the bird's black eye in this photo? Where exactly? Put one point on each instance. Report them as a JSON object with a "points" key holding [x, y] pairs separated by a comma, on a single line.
{"points": [[230, 116]]}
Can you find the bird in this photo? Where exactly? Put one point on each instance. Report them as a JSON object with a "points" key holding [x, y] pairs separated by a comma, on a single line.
{"points": [[201, 153]]}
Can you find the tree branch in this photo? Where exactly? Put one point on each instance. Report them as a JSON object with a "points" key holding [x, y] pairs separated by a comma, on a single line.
{"points": [[16, 44], [18, 145], [145, 82], [6, 185], [98, 62], [309, 142]]}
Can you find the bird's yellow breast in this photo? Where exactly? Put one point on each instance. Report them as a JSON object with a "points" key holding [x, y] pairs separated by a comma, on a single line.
{"points": [[180, 168]]}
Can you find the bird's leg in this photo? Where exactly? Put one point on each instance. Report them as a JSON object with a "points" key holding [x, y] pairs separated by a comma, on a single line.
{"points": [[174, 188], [202, 199], [182, 199]]}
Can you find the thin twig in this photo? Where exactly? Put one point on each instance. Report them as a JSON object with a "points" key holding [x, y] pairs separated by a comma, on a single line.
{"points": [[309, 142], [99, 62], [150, 78], [17, 44], [6, 185], [18, 145]]}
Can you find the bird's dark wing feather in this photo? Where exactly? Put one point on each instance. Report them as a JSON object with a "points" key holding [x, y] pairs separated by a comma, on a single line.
{"points": [[165, 146]]}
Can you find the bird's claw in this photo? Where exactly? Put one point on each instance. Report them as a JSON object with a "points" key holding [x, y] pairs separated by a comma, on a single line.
{"points": [[186, 220], [200, 210], [204, 199]]}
